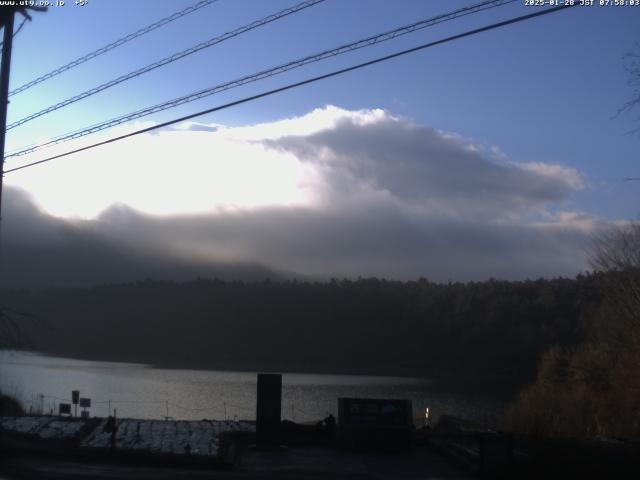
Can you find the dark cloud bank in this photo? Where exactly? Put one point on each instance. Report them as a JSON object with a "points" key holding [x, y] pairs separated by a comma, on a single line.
{"points": [[123, 245]]}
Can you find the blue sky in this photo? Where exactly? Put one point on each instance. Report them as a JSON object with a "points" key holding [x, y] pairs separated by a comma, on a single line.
{"points": [[542, 91]]}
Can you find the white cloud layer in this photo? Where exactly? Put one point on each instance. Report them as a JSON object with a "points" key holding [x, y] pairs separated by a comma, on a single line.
{"points": [[333, 192]]}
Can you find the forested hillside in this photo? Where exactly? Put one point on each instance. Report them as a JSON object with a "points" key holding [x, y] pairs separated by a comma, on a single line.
{"points": [[487, 334]]}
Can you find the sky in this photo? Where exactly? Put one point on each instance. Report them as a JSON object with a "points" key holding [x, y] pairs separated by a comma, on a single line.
{"points": [[495, 156]]}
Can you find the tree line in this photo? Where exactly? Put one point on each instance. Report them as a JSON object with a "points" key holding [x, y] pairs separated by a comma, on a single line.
{"points": [[485, 336]]}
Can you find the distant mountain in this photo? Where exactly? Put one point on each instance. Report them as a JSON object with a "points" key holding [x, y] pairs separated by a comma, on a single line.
{"points": [[39, 251], [87, 260]]}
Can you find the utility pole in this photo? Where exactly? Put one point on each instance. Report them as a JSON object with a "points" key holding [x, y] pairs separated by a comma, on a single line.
{"points": [[7, 17], [5, 66]]}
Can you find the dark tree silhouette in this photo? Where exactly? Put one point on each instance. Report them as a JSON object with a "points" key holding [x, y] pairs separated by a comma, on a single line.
{"points": [[482, 336], [12, 334], [593, 389]]}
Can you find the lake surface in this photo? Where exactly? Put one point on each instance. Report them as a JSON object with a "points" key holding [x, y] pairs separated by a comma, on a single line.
{"points": [[142, 391]]}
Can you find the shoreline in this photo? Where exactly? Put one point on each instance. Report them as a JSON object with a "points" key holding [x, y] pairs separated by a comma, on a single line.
{"points": [[503, 390]]}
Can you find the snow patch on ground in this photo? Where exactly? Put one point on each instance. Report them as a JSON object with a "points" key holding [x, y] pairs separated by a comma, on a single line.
{"points": [[199, 438], [178, 437]]}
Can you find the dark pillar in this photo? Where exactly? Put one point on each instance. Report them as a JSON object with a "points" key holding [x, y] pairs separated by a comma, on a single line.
{"points": [[268, 412], [7, 20]]}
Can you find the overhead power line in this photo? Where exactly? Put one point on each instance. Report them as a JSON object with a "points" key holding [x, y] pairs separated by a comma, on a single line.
{"points": [[112, 45], [299, 84], [24, 20], [170, 59], [363, 43]]}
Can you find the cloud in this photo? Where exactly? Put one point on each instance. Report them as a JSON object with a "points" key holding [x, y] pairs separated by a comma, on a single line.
{"points": [[40, 251], [422, 167], [199, 127], [381, 242], [331, 193], [125, 245]]}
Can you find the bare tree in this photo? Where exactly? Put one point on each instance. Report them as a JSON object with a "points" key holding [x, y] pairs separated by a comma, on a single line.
{"points": [[593, 389], [617, 251], [631, 62]]}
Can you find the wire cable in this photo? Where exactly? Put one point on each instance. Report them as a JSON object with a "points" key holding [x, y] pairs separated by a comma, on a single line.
{"points": [[24, 20], [301, 83], [111, 46], [167, 60], [363, 43]]}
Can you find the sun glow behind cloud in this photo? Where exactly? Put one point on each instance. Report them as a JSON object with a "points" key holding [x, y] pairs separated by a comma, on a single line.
{"points": [[328, 158], [168, 172]]}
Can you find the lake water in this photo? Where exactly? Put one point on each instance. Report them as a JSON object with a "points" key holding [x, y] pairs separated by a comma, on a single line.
{"points": [[141, 391]]}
